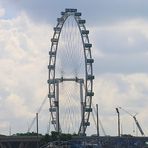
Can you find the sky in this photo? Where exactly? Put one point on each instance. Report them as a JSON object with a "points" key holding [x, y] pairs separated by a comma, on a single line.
{"points": [[119, 34]]}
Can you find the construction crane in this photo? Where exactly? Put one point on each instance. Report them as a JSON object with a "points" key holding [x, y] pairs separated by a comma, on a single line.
{"points": [[135, 119]]}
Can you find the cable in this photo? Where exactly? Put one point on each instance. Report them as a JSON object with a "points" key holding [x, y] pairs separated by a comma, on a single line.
{"points": [[38, 111], [101, 125]]}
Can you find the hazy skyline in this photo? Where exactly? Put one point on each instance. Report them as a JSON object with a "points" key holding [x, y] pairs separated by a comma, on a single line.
{"points": [[119, 34]]}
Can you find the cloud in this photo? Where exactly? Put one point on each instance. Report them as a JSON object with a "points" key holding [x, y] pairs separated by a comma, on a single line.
{"points": [[128, 91], [23, 71], [96, 12], [120, 47], [125, 87], [119, 36], [2, 12], [14, 103], [128, 36]]}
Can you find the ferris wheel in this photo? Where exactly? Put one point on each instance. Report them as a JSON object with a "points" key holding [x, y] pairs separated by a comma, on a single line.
{"points": [[70, 74]]}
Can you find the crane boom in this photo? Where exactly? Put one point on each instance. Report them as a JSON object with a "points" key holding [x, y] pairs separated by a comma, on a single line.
{"points": [[126, 111], [138, 125], [136, 121]]}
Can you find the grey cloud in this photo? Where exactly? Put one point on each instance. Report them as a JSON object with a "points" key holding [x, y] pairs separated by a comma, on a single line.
{"points": [[94, 11], [121, 64], [114, 42], [120, 48], [3, 92]]}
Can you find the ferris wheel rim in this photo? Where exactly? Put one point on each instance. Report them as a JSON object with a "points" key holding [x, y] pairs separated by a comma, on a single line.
{"points": [[88, 62]]}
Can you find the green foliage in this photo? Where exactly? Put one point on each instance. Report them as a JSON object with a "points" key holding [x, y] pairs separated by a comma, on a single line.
{"points": [[65, 137], [48, 138], [45, 139], [74, 134], [62, 136], [54, 136]]}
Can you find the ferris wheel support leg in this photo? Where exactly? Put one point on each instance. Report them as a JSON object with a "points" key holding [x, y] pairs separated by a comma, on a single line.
{"points": [[82, 105], [57, 112]]}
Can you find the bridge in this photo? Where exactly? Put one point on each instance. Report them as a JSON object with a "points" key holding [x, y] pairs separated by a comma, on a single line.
{"points": [[19, 141]]}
